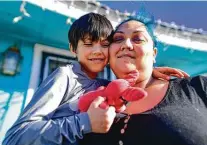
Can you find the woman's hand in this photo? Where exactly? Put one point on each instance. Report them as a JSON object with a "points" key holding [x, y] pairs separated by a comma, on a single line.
{"points": [[166, 72]]}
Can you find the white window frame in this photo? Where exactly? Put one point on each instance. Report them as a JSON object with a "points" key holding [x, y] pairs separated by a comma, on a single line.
{"points": [[46, 68], [36, 66]]}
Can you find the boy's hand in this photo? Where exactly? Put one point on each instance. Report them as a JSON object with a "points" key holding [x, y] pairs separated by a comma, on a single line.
{"points": [[101, 119], [166, 72]]}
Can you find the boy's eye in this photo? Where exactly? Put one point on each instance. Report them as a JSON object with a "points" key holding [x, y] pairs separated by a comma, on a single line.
{"points": [[118, 39], [88, 44], [105, 44]]}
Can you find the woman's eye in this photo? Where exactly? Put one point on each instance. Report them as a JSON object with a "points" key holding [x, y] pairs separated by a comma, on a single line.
{"points": [[138, 40], [118, 39]]}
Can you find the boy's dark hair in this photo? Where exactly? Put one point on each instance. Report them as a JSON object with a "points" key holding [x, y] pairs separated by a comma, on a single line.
{"points": [[92, 24]]}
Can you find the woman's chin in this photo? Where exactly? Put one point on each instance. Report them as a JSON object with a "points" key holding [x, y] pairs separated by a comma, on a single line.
{"points": [[126, 68]]}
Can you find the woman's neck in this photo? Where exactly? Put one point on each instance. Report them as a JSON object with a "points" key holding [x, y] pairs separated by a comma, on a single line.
{"points": [[145, 83]]}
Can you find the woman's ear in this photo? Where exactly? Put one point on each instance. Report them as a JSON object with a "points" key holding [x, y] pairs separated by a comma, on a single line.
{"points": [[154, 54], [72, 50]]}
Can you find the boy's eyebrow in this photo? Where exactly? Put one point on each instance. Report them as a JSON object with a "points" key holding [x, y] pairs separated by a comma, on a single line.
{"points": [[86, 38]]}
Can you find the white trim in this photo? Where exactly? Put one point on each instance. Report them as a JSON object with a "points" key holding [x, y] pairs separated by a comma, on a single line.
{"points": [[204, 74], [63, 9], [73, 12], [186, 43], [36, 66], [46, 68]]}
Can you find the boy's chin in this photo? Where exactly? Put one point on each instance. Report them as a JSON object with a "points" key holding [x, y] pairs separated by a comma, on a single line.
{"points": [[97, 70]]}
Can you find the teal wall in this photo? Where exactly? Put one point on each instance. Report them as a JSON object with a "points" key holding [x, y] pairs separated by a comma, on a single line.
{"points": [[194, 62], [43, 27], [13, 89]]}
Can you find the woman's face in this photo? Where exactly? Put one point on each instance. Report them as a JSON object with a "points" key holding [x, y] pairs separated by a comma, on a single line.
{"points": [[132, 48]]}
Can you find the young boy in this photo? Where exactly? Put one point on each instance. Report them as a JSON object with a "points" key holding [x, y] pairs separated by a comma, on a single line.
{"points": [[52, 116]]}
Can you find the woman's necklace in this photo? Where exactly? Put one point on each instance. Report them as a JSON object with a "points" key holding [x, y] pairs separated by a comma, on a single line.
{"points": [[122, 131], [126, 120]]}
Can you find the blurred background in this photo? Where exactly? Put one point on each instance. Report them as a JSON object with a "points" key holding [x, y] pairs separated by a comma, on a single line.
{"points": [[34, 42]]}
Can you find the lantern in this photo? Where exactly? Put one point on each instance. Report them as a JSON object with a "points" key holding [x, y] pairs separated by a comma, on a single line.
{"points": [[11, 60]]}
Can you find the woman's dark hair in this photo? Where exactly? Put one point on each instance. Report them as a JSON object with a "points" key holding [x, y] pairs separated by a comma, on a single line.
{"points": [[149, 23], [92, 24]]}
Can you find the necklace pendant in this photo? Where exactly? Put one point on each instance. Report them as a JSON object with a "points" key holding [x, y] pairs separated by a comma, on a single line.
{"points": [[121, 142], [122, 131]]}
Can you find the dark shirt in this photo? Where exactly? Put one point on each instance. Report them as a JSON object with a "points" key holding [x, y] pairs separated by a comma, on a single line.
{"points": [[179, 119]]}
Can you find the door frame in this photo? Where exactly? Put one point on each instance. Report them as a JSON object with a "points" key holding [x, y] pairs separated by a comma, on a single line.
{"points": [[36, 66]]}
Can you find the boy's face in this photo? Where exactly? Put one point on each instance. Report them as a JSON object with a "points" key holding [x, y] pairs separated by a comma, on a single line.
{"points": [[93, 56]]}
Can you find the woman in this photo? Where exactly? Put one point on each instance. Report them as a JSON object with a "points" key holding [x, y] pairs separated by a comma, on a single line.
{"points": [[173, 113]]}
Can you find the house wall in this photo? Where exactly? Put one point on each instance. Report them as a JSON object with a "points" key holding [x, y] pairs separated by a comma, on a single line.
{"points": [[194, 62], [13, 89]]}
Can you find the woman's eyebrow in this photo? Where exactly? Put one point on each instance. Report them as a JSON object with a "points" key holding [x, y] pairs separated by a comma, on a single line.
{"points": [[139, 31], [119, 32]]}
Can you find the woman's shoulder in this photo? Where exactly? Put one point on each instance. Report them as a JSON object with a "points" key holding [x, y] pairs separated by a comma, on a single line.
{"points": [[202, 80], [198, 83], [192, 80]]}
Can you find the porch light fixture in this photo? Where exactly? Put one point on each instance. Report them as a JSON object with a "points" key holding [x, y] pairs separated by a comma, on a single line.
{"points": [[10, 61]]}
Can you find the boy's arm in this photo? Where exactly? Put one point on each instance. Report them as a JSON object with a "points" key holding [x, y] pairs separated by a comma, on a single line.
{"points": [[166, 72], [36, 127]]}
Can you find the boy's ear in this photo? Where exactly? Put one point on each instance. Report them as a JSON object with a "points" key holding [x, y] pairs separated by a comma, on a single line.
{"points": [[154, 54], [72, 50]]}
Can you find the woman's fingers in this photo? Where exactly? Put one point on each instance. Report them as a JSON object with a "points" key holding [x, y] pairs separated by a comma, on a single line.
{"points": [[166, 72], [159, 74]]}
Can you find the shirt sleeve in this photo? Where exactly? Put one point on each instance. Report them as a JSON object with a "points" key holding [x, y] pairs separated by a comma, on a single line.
{"points": [[200, 85], [35, 126]]}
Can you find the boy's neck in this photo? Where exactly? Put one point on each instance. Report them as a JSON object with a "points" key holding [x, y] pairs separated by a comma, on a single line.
{"points": [[91, 75]]}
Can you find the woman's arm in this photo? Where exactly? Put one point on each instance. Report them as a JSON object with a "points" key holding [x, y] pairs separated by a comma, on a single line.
{"points": [[167, 72]]}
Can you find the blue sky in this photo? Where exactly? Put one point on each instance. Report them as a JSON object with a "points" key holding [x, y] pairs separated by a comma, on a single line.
{"points": [[188, 13]]}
